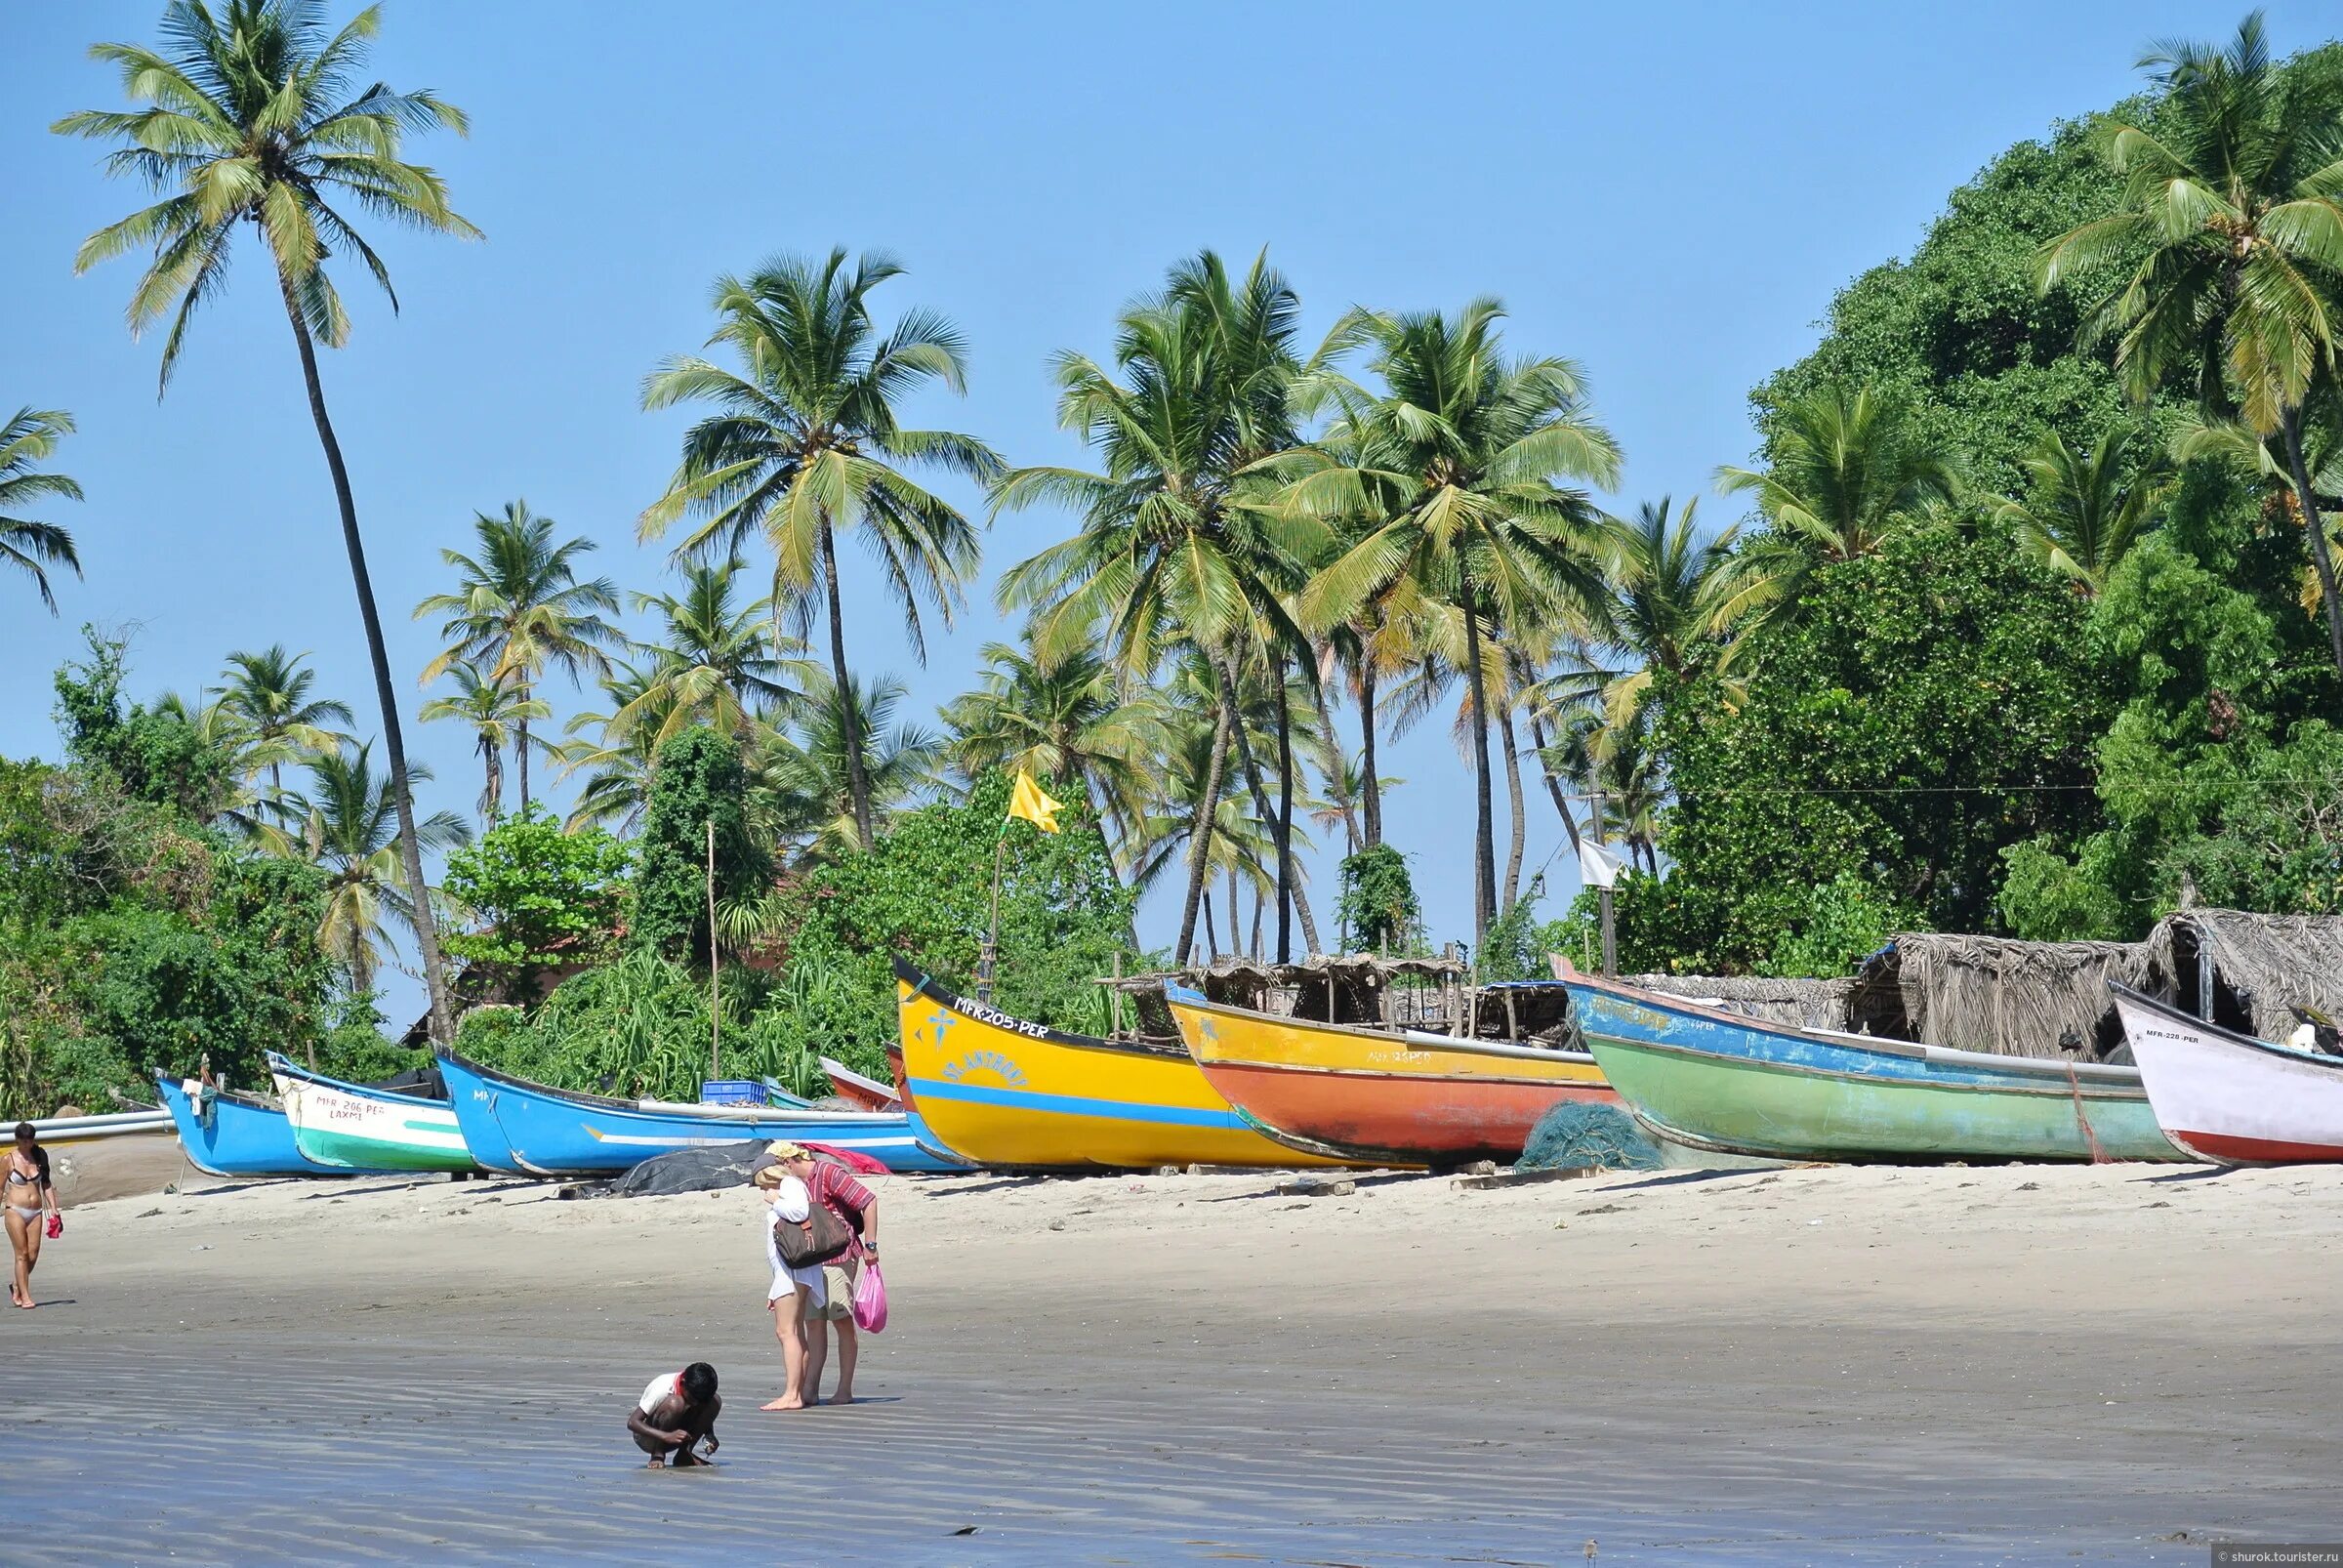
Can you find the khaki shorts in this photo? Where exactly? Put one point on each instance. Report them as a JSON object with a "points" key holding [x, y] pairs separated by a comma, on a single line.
{"points": [[840, 1292]]}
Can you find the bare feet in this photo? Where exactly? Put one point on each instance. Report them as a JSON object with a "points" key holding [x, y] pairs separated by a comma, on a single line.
{"points": [[785, 1402], [656, 1463], [844, 1396]]}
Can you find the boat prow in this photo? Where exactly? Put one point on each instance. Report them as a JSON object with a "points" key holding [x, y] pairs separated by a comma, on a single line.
{"points": [[2229, 1097], [362, 1127], [236, 1134]]}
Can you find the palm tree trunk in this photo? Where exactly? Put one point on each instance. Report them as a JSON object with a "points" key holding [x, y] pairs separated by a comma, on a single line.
{"points": [[1200, 838], [1260, 810], [1520, 815], [1211, 941], [395, 745], [1553, 786], [2320, 558], [492, 784], [1484, 825], [1335, 784], [1285, 812], [1236, 941], [1372, 788], [850, 722], [521, 755], [1260, 899]]}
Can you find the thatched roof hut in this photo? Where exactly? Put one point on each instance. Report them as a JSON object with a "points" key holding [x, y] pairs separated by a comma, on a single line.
{"points": [[1800, 1003], [2259, 967], [1339, 987], [2050, 999]]}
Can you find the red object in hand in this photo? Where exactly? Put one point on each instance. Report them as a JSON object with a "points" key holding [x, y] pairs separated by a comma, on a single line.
{"points": [[56, 1226]]}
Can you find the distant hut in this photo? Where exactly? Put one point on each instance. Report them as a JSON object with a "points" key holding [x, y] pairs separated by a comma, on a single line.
{"points": [[1996, 994], [2250, 973], [1795, 1004]]}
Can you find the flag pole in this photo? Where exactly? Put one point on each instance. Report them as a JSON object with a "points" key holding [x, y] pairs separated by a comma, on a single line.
{"points": [[992, 932], [715, 1014]]}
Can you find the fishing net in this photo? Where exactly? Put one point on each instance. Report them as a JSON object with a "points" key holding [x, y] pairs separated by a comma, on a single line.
{"points": [[1574, 1136], [697, 1169]]}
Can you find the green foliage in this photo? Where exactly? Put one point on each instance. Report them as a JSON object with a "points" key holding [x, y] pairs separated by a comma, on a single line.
{"points": [[699, 781], [923, 892], [1845, 920], [158, 756], [1514, 948], [1930, 706], [1378, 908], [542, 896]]}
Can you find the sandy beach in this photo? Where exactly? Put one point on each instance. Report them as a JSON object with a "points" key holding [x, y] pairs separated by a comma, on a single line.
{"points": [[1996, 1365]]}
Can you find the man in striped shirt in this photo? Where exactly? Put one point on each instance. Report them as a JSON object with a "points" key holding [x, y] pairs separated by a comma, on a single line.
{"points": [[827, 1181]]}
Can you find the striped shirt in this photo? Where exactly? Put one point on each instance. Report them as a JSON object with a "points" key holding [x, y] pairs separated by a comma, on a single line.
{"points": [[847, 1198]]}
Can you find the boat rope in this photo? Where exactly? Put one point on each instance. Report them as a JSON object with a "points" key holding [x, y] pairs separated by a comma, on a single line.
{"points": [[2074, 1086]]}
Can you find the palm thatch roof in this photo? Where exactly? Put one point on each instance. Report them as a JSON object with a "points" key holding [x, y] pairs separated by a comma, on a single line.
{"points": [[1339, 987], [2262, 968], [2050, 1000], [1799, 1004]]}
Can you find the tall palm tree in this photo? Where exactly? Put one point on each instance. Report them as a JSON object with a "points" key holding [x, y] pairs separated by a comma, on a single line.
{"points": [[2086, 509], [804, 443], [519, 609], [499, 714], [618, 760], [277, 722], [717, 664], [1465, 453], [1064, 718], [31, 436], [245, 120], [1845, 475], [2231, 229], [345, 823], [1168, 552], [809, 764]]}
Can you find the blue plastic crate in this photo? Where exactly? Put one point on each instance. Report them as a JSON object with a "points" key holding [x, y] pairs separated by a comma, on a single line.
{"points": [[731, 1092]]}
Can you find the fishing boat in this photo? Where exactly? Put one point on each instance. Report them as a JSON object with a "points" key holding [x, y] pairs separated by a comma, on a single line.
{"points": [[367, 1127], [511, 1124], [236, 1134], [1708, 1079], [2230, 1097], [1005, 1092], [865, 1093], [1399, 1097]]}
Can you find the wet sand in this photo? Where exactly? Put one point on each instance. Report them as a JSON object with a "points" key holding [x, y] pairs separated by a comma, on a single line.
{"points": [[2011, 1365]]}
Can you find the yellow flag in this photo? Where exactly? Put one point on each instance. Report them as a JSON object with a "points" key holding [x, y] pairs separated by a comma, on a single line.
{"points": [[1028, 801]]}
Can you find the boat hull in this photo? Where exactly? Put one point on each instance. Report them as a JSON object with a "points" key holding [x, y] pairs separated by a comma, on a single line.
{"points": [[532, 1129], [363, 1129], [1001, 1091], [1713, 1080], [863, 1093], [1374, 1094], [2230, 1098], [241, 1137]]}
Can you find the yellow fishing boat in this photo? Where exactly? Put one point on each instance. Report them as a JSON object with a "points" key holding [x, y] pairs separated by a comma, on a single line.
{"points": [[1001, 1091]]}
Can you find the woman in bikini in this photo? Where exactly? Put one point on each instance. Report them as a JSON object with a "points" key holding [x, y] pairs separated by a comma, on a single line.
{"points": [[30, 1196]]}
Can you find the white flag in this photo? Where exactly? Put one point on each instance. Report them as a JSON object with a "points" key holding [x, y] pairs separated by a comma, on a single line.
{"points": [[1598, 867]]}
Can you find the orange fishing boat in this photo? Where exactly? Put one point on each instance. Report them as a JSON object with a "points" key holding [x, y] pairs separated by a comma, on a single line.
{"points": [[1394, 1095]]}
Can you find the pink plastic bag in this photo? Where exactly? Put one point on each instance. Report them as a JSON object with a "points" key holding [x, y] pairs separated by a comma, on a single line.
{"points": [[870, 1301]]}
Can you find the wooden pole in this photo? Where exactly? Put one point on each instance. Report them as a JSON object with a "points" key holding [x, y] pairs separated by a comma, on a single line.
{"points": [[991, 933], [1603, 897], [715, 998]]}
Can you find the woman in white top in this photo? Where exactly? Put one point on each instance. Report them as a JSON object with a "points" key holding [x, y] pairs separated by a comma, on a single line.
{"points": [[794, 1290]]}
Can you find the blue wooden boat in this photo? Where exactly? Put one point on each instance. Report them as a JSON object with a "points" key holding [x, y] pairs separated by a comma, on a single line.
{"points": [[510, 1124], [1696, 1075], [237, 1135]]}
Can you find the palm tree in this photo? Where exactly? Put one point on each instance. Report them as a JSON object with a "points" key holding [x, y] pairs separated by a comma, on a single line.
{"points": [[2237, 208], [2086, 509], [619, 761], [29, 437], [1238, 846], [346, 824], [1845, 475], [245, 123], [276, 720], [718, 664], [499, 714], [1168, 552], [1059, 719], [806, 770], [1465, 452], [806, 444], [520, 609]]}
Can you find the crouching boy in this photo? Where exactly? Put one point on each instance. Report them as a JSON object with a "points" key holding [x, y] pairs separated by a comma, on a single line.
{"points": [[676, 1415]]}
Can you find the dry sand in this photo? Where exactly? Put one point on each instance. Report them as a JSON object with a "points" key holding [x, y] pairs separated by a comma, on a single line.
{"points": [[1999, 1364]]}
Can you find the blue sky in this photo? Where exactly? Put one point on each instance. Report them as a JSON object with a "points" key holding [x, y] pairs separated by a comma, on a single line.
{"points": [[1670, 194]]}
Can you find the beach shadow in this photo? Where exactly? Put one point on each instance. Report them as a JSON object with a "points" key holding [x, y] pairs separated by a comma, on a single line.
{"points": [[1015, 1183], [2210, 1173], [1679, 1178], [1382, 1179]]}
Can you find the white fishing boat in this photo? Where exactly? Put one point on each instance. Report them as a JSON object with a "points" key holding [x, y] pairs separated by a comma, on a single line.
{"points": [[2230, 1097]]}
